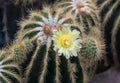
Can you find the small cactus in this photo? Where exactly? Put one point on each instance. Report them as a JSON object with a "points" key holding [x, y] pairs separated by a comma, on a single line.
{"points": [[89, 49], [93, 49], [18, 50]]}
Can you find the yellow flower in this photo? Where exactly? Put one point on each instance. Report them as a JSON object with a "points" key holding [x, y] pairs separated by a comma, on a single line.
{"points": [[67, 42]]}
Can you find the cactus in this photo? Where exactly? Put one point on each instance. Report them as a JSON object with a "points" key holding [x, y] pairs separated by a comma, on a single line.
{"points": [[17, 50], [56, 30], [43, 25], [85, 10], [111, 9], [8, 70], [93, 50], [40, 26]]}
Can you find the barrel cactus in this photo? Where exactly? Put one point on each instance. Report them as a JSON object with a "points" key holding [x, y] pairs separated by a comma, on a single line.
{"points": [[85, 11], [18, 50], [48, 26], [54, 36], [9, 71], [110, 9]]}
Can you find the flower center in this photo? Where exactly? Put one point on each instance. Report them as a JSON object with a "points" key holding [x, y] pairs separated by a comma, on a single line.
{"points": [[66, 41], [80, 5]]}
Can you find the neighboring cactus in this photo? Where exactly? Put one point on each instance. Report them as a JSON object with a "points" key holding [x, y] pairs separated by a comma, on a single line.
{"points": [[85, 10], [93, 49], [17, 50], [113, 5], [114, 39], [9, 72], [110, 9]]}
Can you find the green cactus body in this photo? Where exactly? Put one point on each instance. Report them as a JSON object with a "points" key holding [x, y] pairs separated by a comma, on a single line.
{"points": [[9, 71], [18, 54], [110, 9], [89, 49]]}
